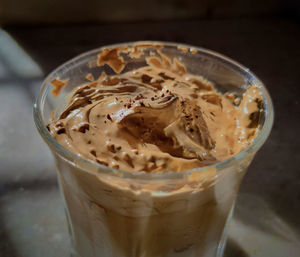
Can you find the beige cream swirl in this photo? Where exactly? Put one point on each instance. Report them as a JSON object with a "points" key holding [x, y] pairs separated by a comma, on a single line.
{"points": [[156, 118]]}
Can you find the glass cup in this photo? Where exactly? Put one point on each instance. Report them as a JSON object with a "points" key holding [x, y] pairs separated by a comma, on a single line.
{"points": [[114, 213]]}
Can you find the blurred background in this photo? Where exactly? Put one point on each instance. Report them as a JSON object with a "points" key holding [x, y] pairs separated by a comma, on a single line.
{"points": [[97, 11], [36, 36]]}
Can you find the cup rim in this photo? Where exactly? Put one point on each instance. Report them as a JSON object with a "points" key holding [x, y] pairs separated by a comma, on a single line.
{"points": [[97, 169]]}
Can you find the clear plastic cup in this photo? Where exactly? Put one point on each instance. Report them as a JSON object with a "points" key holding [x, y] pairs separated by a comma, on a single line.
{"points": [[114, 213]]}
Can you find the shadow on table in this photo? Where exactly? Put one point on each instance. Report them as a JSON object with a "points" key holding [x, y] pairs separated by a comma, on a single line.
{"points": [[256, 213], [234, 250], [6, 245]]}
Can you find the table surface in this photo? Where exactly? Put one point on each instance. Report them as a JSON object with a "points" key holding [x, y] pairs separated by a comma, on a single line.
{"points": [[266, 219]]}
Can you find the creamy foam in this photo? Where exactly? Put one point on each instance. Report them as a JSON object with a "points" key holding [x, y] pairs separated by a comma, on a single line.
{"points": [[155, 118]]}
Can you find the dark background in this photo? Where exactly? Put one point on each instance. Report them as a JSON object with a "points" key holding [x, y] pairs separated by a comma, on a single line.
{"points": [[262, 35], [95, 11]]}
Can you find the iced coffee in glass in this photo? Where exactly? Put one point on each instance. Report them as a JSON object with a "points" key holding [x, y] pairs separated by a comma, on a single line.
{"points": [[151, 141]]}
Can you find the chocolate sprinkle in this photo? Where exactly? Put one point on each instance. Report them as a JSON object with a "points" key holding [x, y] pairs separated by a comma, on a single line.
{"points": [[102, 162], [93, 152], [108, 117], [61, 131], [83, 128]]}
